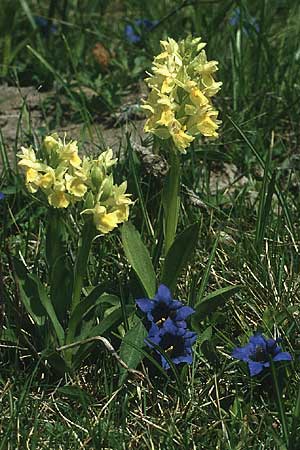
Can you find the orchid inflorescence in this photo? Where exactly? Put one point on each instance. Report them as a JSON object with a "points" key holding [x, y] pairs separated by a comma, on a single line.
{"points": [[66, 179], [168, 327], [179, 105]]}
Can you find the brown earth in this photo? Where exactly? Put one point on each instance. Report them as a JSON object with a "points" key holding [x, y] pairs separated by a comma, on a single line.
{"points": [[22, 110]]}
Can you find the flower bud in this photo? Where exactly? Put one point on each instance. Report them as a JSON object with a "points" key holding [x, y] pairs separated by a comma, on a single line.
{"points": [[50, 143], [97, 177], [107, 188], [89, 201]]}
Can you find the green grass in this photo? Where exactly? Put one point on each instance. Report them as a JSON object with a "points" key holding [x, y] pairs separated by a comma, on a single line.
{"points": [[249, 232]]}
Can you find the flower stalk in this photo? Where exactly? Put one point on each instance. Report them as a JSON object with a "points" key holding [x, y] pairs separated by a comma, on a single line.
{"points": [[84, 247], [171, 200]]}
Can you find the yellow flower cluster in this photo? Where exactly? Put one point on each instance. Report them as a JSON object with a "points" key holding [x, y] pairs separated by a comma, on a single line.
{"points": [[65, 179], [181, 86]]}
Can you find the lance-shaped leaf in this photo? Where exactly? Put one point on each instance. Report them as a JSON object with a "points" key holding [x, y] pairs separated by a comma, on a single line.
{"points": [[139, 258], [130, 350], [211, 302], [29, 293], [179, 255], [45, 301]]}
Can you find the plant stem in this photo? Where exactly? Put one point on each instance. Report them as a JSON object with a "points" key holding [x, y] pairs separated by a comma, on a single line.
{"points": [[84, 247], [279, 403], [171, 199]]}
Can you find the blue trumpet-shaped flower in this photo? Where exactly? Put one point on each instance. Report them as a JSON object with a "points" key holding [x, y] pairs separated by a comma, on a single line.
{"points": [[45, 25], [163, 311], [174, 342], [133, 32], [249, 22], [259, 352], [2, 196]]}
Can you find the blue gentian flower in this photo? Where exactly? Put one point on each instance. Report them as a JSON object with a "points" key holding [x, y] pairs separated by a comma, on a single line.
{"points": [[133, 32], [175, 342], [235, 19], [43, 24], [259, 352], [163, 311], [2, 196]]}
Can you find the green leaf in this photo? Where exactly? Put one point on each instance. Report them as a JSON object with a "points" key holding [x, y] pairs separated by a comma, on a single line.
{"points": [[130, 352], [96, 297], [29, 293], [76, 394], [61, 283], [61, 276], [205, 336], [179, 255], [44, 299], [55, 236], [139, 258], [56, 361], [211, 302], [107, 324]]}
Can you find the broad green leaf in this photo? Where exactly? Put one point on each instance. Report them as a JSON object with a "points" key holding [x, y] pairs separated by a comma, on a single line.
{"points": [[61, 283], [179, 255], [55, 236], [49, 309], [96, 297], [76, 394], [29, 294], [130, 352], [56, 361], [139, 258], [206, 335], [211, 302], [105, 326], [61, 276], [8, 334]]}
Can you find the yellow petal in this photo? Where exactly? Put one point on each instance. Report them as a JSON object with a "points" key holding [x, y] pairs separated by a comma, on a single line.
{"points": [[59, 199], [47, 180], [75, 161], [106, 222], [31, 175]]}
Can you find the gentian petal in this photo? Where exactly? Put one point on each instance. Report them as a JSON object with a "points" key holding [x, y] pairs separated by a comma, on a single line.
{"points": [[258, 340], [283, 356], [145, 304], [176, 304], [184, 312], [181, 324], [164, 363], [169, 327], [255, 368], [190, 338], [154, 330], [163, 294], [153, 339], [183, 359], [243, 353]]}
